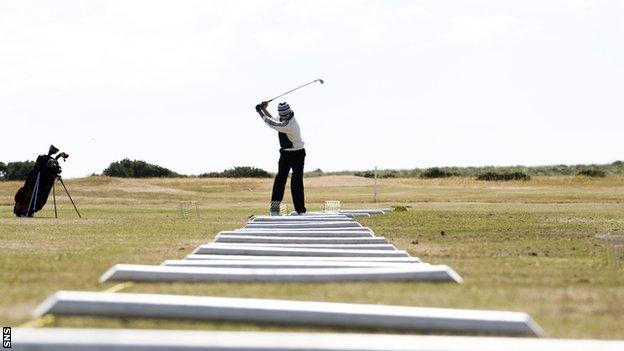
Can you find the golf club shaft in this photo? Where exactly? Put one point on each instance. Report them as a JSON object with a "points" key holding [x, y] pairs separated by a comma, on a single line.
{"points": [[299, 87]]}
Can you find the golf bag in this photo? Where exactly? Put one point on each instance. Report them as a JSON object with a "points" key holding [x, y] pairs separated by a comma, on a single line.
{"points": [[34, 194]]}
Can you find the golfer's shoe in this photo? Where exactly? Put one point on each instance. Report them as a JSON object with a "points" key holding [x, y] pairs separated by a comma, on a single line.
{"points": [[274, 208]]}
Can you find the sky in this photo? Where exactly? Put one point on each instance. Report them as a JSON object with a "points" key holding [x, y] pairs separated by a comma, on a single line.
{"points": [[407, 83]]}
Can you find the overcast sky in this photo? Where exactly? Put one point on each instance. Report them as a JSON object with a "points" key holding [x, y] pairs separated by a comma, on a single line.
{"points": [[408, 83]]}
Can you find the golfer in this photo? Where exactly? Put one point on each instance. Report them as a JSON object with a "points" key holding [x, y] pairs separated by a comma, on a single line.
{"points": [[292, 155]]}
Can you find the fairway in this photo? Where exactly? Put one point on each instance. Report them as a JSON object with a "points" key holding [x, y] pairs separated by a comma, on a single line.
{"points": [[528, 246]]}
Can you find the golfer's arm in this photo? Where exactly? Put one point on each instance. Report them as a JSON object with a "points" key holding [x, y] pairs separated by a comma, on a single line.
{"points": [[266, 112], [275, 124]]}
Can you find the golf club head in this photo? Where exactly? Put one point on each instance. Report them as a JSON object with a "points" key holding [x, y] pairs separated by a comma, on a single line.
{"points": [[52, 150], [322, 81]]}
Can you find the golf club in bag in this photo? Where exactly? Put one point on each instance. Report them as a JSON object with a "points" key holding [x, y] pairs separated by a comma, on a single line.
{"points": [[34, 194]]}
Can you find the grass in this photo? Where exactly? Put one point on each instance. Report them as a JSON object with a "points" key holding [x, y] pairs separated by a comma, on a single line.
{"points": [[523, 246]]}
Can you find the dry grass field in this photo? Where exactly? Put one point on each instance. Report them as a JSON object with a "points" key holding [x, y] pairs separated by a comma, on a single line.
{"points": [[536, 246]]}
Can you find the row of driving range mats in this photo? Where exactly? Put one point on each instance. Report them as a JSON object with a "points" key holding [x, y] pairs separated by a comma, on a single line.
{"points": [[318, 247]]}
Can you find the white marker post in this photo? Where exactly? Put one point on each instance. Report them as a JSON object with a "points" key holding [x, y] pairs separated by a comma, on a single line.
{"points": [[375, 184]]}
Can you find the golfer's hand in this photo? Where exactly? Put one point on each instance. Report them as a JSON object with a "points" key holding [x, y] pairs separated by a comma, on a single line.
{"points": [[265, 104]]}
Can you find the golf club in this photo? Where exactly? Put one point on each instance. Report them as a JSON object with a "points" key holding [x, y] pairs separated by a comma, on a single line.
{"points": [[299, 87]]}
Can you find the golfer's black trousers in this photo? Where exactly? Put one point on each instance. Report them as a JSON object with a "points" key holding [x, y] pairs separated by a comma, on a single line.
{"points": [[288, 160]]}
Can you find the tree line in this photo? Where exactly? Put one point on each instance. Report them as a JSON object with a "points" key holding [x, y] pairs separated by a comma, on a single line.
{"points": [[15, 170], [127, 168], [499, 172]]}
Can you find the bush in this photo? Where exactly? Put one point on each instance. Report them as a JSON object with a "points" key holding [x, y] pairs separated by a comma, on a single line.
{"points": [[594, 173], [380, 174], [137, 169], [365, 174], [436, 173], [17, 170], [3, 170], [503, 176], [388, 175], [239, 172], [315, 173]]}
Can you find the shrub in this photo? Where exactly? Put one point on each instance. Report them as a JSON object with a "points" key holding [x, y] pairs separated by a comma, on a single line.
{"points": [[365, 174], [380, 174], [315, 173], [137, 169], [594, 173], [3, 170], [239, 172], [18, 170], [503, 176], [436, 173], [388, 175]]}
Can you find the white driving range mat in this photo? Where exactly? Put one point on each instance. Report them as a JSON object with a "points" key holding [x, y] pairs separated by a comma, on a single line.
{"points": [[57, 339], [288, 312]]}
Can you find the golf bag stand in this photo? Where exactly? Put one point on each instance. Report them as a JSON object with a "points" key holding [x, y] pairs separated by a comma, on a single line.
{"points": [[58, 176], [54, 200]]}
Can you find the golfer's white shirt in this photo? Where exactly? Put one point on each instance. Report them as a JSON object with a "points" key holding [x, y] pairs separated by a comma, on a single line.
{"points": [[288, 127]]}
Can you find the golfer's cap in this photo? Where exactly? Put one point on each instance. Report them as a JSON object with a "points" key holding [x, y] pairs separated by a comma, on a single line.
{"points": [[283, 109]]}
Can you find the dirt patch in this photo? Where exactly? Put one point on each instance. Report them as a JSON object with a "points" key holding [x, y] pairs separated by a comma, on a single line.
{"points": [[135, 187], [612, 237], [17, 311], [336, 181]]}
